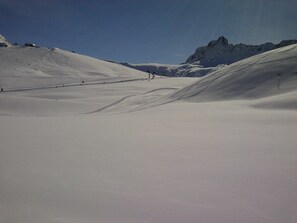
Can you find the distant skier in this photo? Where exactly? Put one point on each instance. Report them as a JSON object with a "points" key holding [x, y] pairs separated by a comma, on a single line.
{"points": [[153, 75], [149, 75], [279, 81]]}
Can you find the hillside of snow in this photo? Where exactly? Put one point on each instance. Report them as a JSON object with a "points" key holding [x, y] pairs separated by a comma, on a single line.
{"points": [[31, 67], [267, 74], [221, 52]]}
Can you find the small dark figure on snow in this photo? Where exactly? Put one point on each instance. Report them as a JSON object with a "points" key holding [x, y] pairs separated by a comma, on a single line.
{"points": [[153, 75], [149, 74], [279, 81]]}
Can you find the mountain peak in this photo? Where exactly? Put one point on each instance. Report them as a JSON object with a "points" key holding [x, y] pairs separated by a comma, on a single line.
{"points": [[221, 41]]}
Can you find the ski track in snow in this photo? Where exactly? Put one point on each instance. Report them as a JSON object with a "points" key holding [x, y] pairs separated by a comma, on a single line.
{"points": [[126, 97]]}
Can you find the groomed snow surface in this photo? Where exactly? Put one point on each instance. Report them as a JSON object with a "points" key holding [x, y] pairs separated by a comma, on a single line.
{"points": [[220, 149]]}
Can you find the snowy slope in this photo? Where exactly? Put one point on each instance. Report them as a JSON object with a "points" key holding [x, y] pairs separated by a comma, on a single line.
{"points": [[221, 52], [267, 74], [270, 77], [64, 160], [28, 67], [181, 162]]}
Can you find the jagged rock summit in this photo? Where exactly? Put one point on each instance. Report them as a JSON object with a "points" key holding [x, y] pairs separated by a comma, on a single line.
{"points": [[221, 52], [221, 41]]}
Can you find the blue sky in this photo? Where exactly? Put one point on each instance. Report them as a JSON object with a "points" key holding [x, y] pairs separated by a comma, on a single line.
{"points": [[138, 31]]}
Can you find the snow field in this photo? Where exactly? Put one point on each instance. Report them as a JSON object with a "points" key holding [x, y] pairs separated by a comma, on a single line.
{"points": [[222, 149]]}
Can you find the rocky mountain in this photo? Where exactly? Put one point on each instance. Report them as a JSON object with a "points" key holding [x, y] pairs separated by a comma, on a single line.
{"points": [[221, 52], [212, 57]]}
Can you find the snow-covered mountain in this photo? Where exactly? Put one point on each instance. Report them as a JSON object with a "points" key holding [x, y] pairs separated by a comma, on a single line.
{"points": [[31, 67], [4, 42], [221, 52], [212, 57], [170, 70]]}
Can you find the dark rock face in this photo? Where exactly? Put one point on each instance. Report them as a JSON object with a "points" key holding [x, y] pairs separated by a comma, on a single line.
{"points": [[222, 41]]}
